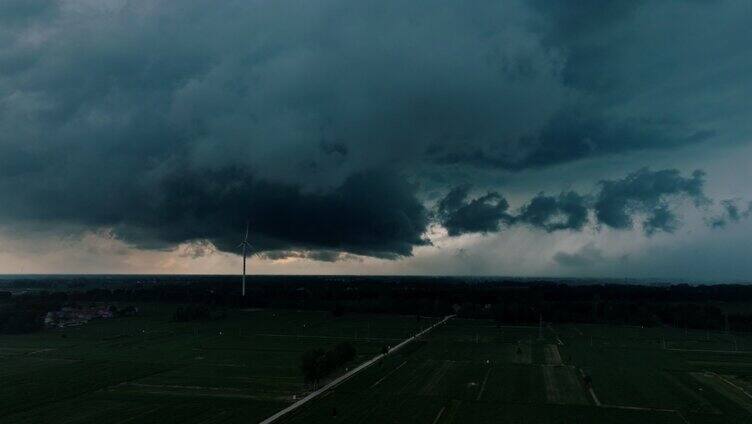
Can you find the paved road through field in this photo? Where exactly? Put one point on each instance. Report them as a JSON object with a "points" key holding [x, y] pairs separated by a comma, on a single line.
{"points": [[344, 377]]}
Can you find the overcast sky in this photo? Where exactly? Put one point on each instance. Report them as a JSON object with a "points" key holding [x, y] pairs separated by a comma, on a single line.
{"points": [[532, 138]]}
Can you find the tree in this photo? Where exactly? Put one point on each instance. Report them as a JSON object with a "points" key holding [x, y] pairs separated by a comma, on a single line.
{"points": [[310, 365], [318, 363]]}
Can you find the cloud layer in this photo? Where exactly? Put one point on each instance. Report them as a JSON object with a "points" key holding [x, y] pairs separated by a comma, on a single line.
{"points": [[331, 126], [484, 214], [643, 197]]}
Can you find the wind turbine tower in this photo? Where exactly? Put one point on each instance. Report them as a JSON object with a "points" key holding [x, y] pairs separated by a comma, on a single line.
{"points": [[245, 246]]}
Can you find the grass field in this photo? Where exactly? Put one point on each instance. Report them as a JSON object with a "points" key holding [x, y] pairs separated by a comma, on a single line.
{"points": [[246, 367], [149, 369], [475, 372]]}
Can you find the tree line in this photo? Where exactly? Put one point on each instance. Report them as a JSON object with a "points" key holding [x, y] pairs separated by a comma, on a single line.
{"points": [[508, 301], [317, 364]]}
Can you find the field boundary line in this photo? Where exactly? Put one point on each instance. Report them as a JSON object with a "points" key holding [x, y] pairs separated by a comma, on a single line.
{"points": [[387, 375], [42, 351], [483, 386], [344, 377], [433, 378], [438, 416], [682, 417], [595, 398], [556, 335], [640, 408], [592, 392], [734, 385]]}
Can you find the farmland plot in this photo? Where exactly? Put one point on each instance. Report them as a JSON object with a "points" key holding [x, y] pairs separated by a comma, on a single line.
{"points": [[479, 372], [151, 369]]}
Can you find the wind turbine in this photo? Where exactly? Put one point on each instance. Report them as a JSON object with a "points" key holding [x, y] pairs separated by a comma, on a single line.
{"points": [[245, 246]]}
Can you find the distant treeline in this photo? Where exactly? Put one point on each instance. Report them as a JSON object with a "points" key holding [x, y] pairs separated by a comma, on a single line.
{"points": [[25, 314], [317, 364], [510, 301], [15, 319]]}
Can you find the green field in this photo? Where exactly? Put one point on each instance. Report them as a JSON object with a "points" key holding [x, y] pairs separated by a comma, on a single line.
{"points": [[475, 372], [246, 367], [149, 369]]}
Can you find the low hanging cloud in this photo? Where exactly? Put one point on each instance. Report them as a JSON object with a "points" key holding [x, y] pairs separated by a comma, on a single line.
{"points": [[585, 257], [460, 214], [196, 249], [660, 219], [374, 214], [619, 204], [731, 213], [568, 211], [314, 255], [647, 192]]}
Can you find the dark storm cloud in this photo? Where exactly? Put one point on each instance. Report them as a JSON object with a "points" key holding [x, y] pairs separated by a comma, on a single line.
{"points": [[584, 28], [316, 255], [22, 11], [621, 49], [460, 214], [646, 192], [198, 249], [570, 136], [634, 86], [334, 148], [370, 214], [454, 199], [178, 121], [137, 115], [660, 219], [568, 211]]}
